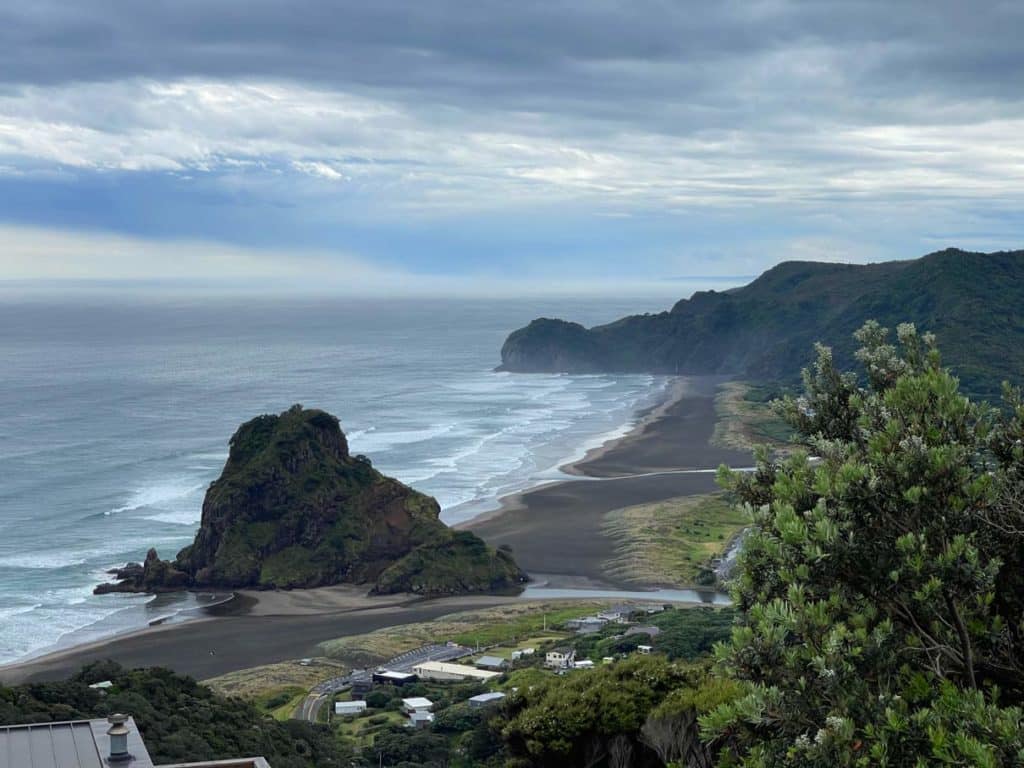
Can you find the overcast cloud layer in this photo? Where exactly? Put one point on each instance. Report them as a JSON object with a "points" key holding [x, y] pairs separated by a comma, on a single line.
{"points": [[552, 141]]}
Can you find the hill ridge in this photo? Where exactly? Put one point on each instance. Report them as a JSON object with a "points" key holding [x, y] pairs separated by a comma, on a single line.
{"points": [[765, 330]]}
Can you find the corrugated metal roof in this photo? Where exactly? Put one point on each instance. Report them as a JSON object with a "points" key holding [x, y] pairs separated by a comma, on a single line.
{"points": [[68, 744], [484, 698], [491, 661], [49, 745]]}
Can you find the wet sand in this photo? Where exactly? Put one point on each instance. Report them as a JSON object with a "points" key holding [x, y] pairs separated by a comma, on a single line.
{"points": [[555, 532], [240, 637]]}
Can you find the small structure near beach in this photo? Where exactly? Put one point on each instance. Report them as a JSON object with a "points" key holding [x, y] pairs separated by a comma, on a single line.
{"points": [[420, 720], [587, 625], [444, 671], [560, 658], [346, 708], [490, 662], [619, 614], [417, 704], [485, 699], [389, 677]]}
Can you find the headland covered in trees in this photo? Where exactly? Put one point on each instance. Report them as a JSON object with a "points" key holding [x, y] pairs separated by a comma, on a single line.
{"points": [[764, 331]]}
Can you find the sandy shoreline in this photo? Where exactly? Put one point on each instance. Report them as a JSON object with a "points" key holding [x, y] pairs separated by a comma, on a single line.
{"points": [[554, 531]]}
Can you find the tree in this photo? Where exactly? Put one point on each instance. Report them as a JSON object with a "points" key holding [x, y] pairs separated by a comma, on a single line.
{"points": [[620, 752], [588, 718], [671, 729], [881, 585]]}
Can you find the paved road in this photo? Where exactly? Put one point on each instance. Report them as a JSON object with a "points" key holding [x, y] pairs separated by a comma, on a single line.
{"points": [[321, 693], [310, 706]]}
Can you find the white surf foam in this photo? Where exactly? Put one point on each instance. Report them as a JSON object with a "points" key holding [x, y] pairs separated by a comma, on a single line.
{"points": [[159, 494], [372, 441]]}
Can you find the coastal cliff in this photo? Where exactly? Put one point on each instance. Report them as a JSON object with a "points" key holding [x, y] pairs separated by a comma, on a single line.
{"points": [[766, 330], [293, 508]]}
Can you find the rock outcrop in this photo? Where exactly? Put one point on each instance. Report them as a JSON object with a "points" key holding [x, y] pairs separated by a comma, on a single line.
{"points": [[293, 508]]}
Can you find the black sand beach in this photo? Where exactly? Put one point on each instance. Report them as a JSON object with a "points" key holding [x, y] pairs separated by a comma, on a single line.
{"points": [[555, 532], [237, 639]]}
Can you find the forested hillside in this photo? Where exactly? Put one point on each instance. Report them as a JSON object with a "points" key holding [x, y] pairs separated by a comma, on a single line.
{"points": [[765, 331]]}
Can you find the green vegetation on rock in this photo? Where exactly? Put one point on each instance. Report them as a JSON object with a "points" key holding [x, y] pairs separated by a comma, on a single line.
{"points": [[457, 563], [764, 331], [293, 508]]}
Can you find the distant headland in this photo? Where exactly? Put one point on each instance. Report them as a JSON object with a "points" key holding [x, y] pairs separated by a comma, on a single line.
{"points": [[765, 331]]}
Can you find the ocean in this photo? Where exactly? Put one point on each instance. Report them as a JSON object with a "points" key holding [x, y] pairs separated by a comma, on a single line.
{"points": [[115, 416]]}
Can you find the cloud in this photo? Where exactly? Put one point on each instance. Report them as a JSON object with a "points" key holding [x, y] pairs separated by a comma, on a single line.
{"points": [[34, 260], [495, 160], [802, 125]]}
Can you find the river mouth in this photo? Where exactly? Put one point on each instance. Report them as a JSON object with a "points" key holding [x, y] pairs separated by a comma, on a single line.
{"points": [[708, 597]]}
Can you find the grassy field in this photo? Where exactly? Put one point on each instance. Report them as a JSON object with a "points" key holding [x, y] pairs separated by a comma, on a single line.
{"points": [[286, 699], [505, 651], [746, 419], [507, 624], [257, 682], [362, 729], [670, 542]]}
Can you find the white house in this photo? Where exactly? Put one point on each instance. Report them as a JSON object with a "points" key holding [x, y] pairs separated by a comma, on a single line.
{"points": [[522, 653], [416, 704], [345, 708], [421, 719], [560, 658], [644, 649], [585, 664], [619, 614]]}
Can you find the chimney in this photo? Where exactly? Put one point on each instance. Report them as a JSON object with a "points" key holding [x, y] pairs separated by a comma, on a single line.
{"points": [[118, 733]]}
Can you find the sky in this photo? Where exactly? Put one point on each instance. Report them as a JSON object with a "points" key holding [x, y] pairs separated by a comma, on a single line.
{"points": [[557, 146]]}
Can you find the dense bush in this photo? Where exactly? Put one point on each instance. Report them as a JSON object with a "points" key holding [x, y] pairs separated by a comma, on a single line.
{"points": [[685, 634], [598, 716], [692, 632], [881, 586]]}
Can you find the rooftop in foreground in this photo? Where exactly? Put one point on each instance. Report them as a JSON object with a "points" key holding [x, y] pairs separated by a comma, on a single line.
{"points": [[114, 743]]}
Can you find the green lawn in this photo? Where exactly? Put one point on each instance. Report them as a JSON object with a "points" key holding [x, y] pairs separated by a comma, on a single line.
{"points": [[525, 626], [506, 625], [281, 703], [362, 729]]}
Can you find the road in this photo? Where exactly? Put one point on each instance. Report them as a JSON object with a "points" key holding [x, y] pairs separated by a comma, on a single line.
{"points": [[321, 693]]}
